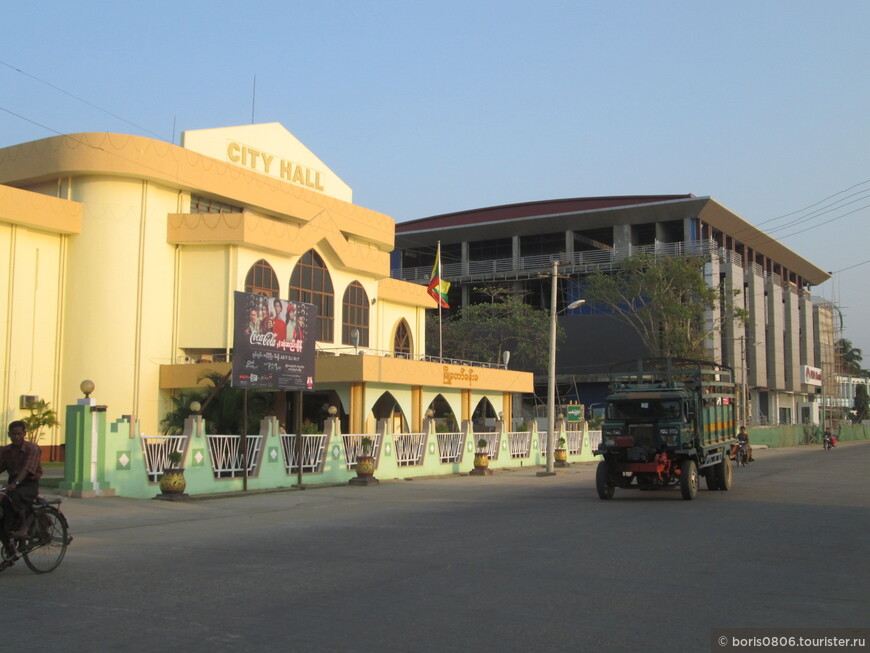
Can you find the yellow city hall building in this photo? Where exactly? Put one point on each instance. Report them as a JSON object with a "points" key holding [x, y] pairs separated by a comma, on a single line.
{"points": [[122, 254]]}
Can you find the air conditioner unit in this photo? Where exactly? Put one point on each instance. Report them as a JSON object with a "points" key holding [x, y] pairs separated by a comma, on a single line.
{"points": [[25, 402]]}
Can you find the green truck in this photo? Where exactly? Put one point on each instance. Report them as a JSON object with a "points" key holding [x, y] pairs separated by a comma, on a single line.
{"points": [[668, 421]]}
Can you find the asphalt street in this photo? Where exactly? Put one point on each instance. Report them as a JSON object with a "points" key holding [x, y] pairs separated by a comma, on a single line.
{"points": [[509, 562]]}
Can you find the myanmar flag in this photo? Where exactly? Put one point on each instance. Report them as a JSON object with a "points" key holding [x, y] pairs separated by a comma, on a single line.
{"points": [[437, 286]]}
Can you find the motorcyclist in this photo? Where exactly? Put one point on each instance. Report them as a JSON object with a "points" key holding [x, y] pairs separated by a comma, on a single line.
{"points": [[743, 438]]}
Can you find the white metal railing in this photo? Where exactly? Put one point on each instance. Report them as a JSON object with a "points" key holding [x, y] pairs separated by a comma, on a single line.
{"points": [[596, 258], [226, 455], [353, 447], [450, 447], [575, 442], [594, 440], [410, 448], [520, 443], [492, 442], [313, 449], [324, 350], [156, 449]]}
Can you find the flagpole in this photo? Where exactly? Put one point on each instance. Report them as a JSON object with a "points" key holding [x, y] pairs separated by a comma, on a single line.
{"points": [[440, 352], [440, 347], [437, 289]]}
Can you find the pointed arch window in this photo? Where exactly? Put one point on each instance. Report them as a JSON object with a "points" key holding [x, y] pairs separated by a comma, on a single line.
{"points": [[355, 315], [261, 280], [311, 283], [402, 340]]}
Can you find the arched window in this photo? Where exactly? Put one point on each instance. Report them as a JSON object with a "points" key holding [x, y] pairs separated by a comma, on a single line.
{"points": [[261, 280], [355, 315], [311, 283], [402, 341]]}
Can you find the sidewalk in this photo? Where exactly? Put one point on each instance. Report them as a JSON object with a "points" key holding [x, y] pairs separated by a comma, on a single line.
{"points": [[92, 515]]}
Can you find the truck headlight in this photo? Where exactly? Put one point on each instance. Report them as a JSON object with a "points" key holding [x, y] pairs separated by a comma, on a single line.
{"points": [[609, 436], [670, 435]]}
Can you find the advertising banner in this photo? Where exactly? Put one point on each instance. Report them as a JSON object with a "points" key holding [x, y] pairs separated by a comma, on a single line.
{"points": [[273, 343]]}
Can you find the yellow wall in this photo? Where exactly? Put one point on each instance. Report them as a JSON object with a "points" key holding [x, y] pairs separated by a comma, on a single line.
{"points": [[32, 300], [120, 293], [204, 284]]}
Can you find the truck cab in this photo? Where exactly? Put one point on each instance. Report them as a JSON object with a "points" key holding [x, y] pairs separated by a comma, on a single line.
{"points": [[667, 422]]}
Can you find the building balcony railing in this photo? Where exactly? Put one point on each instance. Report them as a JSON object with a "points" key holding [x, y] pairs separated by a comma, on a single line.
{"points": [[324, 350], [365, 351], [584, 262], [576, 262]]}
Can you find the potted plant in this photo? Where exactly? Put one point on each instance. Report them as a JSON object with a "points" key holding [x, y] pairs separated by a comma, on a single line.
{"points": [[172, 481], [560, 454], [481, 459], [365, 463]]}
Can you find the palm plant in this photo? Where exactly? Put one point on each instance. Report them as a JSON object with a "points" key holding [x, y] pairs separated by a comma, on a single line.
{"points": [[222, 407]]}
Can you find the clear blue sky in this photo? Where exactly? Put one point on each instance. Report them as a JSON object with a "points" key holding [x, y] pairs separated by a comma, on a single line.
{"points": [[431, 107]]}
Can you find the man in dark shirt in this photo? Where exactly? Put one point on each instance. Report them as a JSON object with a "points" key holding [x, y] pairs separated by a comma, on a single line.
{"points": [[22, 460], [743, 438]]}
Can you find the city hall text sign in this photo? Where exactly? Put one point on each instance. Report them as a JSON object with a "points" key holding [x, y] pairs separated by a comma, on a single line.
{"points": [[274, 166]]}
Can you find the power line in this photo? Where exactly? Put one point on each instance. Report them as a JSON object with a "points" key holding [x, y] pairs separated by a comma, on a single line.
{"points": [[785, 215], [852, 266], [75, 97], [839, 217], [819, 212]]}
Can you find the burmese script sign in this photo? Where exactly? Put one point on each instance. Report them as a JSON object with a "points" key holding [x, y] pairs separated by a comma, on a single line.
{"points": [[273, 343]]}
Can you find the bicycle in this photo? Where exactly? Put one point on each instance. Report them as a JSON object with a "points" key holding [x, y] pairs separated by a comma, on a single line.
{"points": [[48, 537]]}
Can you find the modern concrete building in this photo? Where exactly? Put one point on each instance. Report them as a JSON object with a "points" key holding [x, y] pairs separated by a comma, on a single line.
{"points": [[778, 355], [122, 254]]}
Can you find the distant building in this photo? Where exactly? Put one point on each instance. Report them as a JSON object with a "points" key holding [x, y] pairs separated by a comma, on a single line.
{"points": [[515, 246]]}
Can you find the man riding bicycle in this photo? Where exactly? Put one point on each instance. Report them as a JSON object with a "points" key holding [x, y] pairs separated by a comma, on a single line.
{"points": [[743, 438], [22, 460]]}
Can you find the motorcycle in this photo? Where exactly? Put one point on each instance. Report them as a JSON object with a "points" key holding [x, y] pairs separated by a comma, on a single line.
{"points": [[830, 441], [742, 456]]}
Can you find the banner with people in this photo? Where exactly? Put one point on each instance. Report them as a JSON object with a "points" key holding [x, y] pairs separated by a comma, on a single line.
{"points": [[273, 343]]}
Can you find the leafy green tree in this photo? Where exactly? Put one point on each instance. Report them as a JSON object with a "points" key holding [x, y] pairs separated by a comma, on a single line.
{"points": [[41, 417], [666, 301], [862, 403], [222, 407], [483, 332], [850, 357]]}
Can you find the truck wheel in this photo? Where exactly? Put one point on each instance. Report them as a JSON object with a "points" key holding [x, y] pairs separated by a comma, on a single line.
{"points": [[602, 481], [689, 479], [712, 478], [724, 474]]}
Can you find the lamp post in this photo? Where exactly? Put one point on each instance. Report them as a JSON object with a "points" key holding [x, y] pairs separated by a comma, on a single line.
{"points": [[551, 376]]}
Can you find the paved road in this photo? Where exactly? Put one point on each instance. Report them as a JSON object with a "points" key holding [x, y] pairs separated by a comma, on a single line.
{"points": [[509, 562]]}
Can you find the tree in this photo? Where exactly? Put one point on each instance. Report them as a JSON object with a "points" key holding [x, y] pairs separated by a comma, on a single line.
{"points": [[223, 413], [483, 332], [666, 301], [850, 356], [862, 403], [41, 416]]}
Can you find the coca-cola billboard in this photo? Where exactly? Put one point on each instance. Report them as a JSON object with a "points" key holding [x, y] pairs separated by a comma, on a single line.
{"points": [[273, 343]]}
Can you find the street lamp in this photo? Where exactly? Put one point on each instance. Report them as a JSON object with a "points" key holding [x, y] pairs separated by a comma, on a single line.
{"points": [[551, 377]]}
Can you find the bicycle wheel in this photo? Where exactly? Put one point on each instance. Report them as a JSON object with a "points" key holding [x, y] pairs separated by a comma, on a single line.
{"points": [[49, 539]]}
